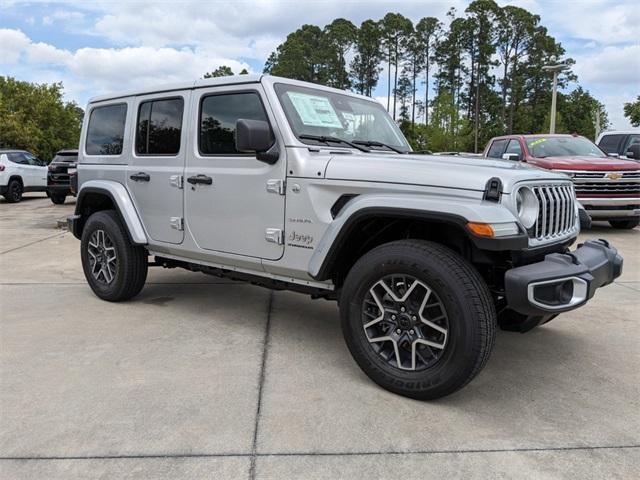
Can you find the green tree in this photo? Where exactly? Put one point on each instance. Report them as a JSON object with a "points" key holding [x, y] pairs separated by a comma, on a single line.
{"points": [[396, 28], [428, 31], [221, 71], [340, 36], [365, 66], [578, 110], [35, 117], [632, 112], [302, 56]]}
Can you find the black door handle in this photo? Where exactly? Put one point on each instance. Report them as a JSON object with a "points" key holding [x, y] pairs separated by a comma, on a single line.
{"points": [[200, 179], [140, 177]]}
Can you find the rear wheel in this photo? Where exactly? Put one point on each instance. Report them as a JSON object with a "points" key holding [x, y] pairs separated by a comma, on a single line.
{"points": [[114, 268], [417, 318], [625, 224], [57, 198], [14, 191]]}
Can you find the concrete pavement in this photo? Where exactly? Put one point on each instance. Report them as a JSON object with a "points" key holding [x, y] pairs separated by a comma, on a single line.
{"points": [[203, 378]]}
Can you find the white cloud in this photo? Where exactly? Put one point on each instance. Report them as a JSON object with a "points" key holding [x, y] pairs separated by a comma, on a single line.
{"points": [[12, 43], [101, 70], [611, 65]]}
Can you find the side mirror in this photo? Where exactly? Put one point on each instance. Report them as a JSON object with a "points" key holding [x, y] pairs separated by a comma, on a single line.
{"points": [[511, 156], [633, 151], [256, 136], [614, 155]]}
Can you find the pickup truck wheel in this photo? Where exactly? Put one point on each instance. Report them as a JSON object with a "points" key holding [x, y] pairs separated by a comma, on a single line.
{"points": [[114, 268], [625, 224], [57, 198], [418, 319], [14, 191]]}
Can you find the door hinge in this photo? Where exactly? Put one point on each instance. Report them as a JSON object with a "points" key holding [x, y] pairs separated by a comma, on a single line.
{"points": [[176, 181], [274, 235], [177, 223], [276, 186]]}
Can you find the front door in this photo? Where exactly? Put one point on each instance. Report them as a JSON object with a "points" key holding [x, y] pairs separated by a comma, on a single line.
{"points": [[233, 202], [154, 175]]}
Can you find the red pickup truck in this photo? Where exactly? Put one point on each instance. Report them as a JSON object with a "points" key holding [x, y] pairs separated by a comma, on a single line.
{"points": [[607, 187]]}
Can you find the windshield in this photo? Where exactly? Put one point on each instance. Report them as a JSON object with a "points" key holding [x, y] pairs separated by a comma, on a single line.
{"points": [[312, 111], [541, 147]]}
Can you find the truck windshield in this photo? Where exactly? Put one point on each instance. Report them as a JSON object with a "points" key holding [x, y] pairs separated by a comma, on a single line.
{"points": [[542, 147], [314, 112]]}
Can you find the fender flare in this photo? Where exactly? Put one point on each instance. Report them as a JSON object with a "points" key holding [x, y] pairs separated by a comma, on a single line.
{"points": [[124, 205], [451, 210]]}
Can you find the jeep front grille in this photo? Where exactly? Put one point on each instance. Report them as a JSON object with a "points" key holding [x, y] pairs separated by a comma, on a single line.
{"points": [[556, 217]]}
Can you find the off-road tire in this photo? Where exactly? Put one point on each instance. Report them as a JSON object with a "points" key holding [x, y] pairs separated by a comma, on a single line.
{"points": [[625, 224], [463, 293], [131, 271], [14, 191], [57, 198]]}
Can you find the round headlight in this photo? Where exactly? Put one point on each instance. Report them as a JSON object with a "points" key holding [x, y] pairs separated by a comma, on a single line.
{"points": [[527, 206]]}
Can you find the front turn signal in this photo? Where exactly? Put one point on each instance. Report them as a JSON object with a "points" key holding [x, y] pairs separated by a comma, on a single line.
{"points": [[481, 229]]}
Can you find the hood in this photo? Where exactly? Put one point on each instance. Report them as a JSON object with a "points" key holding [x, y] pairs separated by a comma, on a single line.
{"points": [[469, 173], [584, 163]]}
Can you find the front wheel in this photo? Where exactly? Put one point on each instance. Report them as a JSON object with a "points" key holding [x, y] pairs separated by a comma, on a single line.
{"points": [[114, 268], [625, 224], [417, 318], [57, 198]]}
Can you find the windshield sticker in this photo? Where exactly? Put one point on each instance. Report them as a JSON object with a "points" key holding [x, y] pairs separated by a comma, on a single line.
{"points": [[537, 142], [315, 111]]}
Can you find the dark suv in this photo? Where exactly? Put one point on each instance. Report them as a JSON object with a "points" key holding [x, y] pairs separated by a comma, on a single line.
{"points": [[58, 178]]}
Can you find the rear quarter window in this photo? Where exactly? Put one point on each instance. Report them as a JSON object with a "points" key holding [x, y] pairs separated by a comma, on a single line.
{"points": [[105, 133]]}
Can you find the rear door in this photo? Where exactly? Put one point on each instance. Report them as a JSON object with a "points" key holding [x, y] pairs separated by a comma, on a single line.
{"points": [[236, 203], [154, 174]]}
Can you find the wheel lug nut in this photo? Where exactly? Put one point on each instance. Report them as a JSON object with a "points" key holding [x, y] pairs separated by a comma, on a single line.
{"points": [[414, 318], [402, 309], [398, 331], [393, 317], [411, 332]]}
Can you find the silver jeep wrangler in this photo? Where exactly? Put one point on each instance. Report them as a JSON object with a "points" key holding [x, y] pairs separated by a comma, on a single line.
{"points": [[296, 186]]}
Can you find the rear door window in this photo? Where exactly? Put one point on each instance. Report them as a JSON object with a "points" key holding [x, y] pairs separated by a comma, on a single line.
{"points": [[105, 132], [496, 149], [159, 127]]}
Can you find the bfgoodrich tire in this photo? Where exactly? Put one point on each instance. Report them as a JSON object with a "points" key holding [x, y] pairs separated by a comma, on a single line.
{"points": [[625, 224], [114, 268], [418, 319]]}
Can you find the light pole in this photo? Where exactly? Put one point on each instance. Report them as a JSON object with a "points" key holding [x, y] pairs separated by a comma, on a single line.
{"points": [[555, 67]]}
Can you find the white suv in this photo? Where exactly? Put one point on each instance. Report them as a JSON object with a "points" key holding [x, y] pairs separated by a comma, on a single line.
{"points": [[21, 172]]}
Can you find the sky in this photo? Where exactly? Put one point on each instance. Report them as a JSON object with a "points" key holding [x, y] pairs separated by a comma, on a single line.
{"points": [[95, 47]]}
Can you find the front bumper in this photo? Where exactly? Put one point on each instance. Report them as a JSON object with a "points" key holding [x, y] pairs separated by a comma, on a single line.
{"points": [[562, 282], [607, 208]]}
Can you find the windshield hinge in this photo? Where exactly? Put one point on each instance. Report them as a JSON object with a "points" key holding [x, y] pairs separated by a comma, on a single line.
{"points": [[177, 223], [274, 235]]}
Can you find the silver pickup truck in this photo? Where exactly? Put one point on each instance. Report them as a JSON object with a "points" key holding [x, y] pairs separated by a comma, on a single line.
{"points": [[291, 185]]}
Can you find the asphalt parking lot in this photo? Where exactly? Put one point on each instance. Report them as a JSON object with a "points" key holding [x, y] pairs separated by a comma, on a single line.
{"points": [[204, 378]]}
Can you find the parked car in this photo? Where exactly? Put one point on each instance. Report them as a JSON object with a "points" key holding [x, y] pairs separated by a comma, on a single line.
{"points": [[607, 187], [619, 142], [58, 178], [21, 171], [292, 185]]}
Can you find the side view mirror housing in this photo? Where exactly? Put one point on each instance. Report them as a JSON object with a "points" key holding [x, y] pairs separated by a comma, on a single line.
{"points": [[256, 136], [633, 151], [511, 156]]}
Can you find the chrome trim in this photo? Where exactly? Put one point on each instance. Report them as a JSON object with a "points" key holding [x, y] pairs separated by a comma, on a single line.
{"points": [[557, 217], [580, 290]]}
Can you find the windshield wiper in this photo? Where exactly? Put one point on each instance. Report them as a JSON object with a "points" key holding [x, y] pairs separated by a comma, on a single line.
{"points": [[324, 139], [371, 143]]}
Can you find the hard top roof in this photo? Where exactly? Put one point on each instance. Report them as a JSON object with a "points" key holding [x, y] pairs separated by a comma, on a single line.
{"points": [[216, 82]]}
